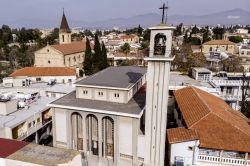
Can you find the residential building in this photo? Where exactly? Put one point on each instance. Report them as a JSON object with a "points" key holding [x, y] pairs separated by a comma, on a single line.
{"points": [[201, 74], [25, 116], [30, 75], [222, 45], [244, 54], [131, 39], [208, 131], [214, 58], [230, 88]]}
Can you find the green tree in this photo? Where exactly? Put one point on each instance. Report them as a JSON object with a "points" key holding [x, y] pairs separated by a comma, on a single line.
{"points": [[235, 39], [231, 64], [146, 35], [125, 48], [97, 57], [195, 30], [205, 35], [195, 41], [218, 33], [104, 63], [178, 30], [139, 30], [87, 64], [88, 33]]}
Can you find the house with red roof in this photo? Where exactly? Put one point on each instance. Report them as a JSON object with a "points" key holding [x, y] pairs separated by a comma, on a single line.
{"points": [[29, 75], [208, 133]]}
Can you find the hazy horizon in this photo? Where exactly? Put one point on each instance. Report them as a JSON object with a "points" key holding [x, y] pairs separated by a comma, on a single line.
{"points": [[21, 12]]}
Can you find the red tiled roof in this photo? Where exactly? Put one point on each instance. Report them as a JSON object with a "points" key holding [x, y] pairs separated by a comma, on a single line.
{"points": [[71, 48], [8, 147], [181, 134], [217, 124], [44, 71], [127, 36], [219, 42]]}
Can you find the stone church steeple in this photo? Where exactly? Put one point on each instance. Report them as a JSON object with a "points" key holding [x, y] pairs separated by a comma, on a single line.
{"points": [[64, 33]]}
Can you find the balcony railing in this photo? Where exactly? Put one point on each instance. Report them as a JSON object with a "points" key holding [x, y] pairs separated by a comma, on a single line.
{"points": [[230, 97], [223, 160], [217, 83]]}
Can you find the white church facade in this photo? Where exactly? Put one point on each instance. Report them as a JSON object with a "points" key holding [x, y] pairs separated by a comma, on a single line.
{"points": [[110, 117]]}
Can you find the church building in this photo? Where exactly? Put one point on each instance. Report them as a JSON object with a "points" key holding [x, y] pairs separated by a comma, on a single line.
{"points": [[113, 116], [65, 54]]}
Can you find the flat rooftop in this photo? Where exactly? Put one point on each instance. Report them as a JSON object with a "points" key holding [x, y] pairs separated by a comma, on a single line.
{"points": [[33, 153], [177, 79], [38, 87], [202, 69], [116, 77], [20, 116], [132, 109]]}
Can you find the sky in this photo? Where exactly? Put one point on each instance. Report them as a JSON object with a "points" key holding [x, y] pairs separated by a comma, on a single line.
{"points": [[96, 10]]}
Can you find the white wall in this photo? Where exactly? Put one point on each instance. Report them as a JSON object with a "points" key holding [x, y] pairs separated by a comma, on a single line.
{"points": [[8, 107], [10, 162], [108, 94], [141, 146], [60, 125], [125, 135], [182, 150], [2, 162]]}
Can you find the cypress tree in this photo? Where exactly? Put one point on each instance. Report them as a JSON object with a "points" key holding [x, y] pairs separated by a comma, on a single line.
{"points": [[87, 64], [104, 62], [97, 57]]}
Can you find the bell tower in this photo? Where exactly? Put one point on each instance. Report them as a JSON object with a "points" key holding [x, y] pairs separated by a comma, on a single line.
{"points": [[157, 92], [64, 33]]}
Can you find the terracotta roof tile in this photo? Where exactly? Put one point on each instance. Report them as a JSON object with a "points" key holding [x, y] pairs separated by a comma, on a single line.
{"points": [[71, 48], [181, 134], [8, 147], [217, 124], [219, 42], [44, 71]]}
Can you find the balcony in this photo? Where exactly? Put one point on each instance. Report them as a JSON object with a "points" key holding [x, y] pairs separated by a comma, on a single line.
{"points": [[223, 160], [218, 83], [230, 97]]}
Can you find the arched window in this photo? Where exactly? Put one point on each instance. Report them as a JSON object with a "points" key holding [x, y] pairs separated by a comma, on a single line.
{"points": [[77, 131], [160, 44], [92, 134], [108, 136]]}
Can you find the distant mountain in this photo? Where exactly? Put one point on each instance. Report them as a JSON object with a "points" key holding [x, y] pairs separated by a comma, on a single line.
{"points": [[231, 17]]}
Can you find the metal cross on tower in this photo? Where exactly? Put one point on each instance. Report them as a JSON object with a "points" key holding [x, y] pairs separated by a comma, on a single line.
{"points": [[163, 8]]}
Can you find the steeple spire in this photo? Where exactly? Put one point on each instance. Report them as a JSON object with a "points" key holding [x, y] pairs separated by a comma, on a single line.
{"points": [[64, 24]]}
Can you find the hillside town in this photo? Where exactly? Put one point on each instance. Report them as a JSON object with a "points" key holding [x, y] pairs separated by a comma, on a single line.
{"points": [[164, 95]]}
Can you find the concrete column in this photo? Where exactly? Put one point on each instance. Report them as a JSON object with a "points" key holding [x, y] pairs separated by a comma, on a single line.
{"points": [[246, 157], [75, 131], [116, 142], [221, 155], [135, 141], [104, 137], [37, 137], [84, 135], [99, 138], [90, 134]]}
